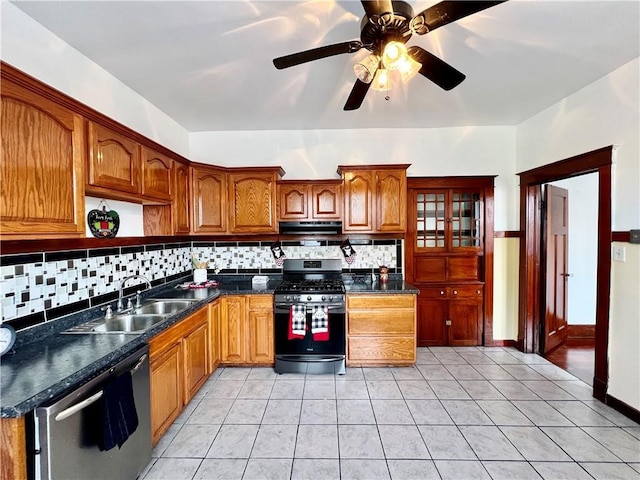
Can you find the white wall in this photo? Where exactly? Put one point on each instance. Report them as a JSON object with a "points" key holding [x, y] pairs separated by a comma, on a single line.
{"points": [[603, 113], [28, 46], [316, 154], [582, 262]]}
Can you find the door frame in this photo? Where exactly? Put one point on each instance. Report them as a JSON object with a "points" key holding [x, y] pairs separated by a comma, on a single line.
{"points": [[529, 297]]}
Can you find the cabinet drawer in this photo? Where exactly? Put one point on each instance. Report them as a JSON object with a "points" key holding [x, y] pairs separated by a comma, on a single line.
{"points": [[370, 302], [466, 291], [381, 322], [382, 349], [434, 292], [260, 302]]}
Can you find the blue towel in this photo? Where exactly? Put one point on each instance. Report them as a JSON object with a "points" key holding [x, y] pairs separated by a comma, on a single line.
{"points": [[118, 410]]}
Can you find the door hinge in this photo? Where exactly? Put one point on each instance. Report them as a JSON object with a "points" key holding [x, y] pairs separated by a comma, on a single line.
{"points": [[541, 205]]}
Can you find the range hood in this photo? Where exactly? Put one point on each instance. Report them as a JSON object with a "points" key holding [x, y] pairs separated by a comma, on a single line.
{"points": [[311, 228]]}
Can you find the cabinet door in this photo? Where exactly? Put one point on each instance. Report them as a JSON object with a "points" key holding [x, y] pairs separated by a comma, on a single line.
{"points": [[214, 336], [166, 390], [180, 204], [465, 221], [261, 336], [157, 174], [326, 201], [42, 167], [391, 201], [466, 322], [196, 358], [432, 330], [358, 203], [252, 198], [233, 337], [114, 160], [293, 201], [209, 200]]}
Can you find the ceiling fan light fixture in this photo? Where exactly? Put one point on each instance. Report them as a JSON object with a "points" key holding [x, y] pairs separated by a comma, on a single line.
{"points": [[382, 80], [366, 69], [409, 69], [394, 55]]}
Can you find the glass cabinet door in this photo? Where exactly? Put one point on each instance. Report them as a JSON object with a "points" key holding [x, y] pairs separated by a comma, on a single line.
{"points": [[465, 219], [431, 220]]}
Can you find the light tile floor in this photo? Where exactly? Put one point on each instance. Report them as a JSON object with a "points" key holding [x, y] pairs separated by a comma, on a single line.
{"points": [[460, 413]]}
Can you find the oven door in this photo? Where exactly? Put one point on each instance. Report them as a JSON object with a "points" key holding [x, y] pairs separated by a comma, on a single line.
{"points": [[334, 345]]}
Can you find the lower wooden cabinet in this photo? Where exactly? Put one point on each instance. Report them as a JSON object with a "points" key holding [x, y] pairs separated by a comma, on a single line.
{"points": [[381, 329], [450, 315], [246, 330], [180, 364]]}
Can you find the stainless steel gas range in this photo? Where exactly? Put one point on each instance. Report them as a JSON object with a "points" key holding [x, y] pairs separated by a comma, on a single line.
{"points": [[310, 318]]}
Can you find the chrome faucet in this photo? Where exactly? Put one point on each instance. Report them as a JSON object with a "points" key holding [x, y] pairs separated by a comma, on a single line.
{"points": [[122, 284]]}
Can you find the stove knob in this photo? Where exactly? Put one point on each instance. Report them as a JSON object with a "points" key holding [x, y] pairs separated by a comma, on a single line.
{"points": [[331, 298], [323, 298], [287, 297]]}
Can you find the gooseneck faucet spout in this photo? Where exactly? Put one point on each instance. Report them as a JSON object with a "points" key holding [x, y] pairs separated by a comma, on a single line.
{"points": [[122, 284]]}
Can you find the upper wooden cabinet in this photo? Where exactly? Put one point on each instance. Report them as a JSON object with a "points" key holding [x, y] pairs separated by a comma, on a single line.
{"points": [[252, 200], [180, 207], [375, 198], [114, 162], [42, 167], [157, 174], [320, 200], [209, 199]]}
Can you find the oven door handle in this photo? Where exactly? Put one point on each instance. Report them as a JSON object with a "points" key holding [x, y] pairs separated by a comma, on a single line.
{"points": [[287, 306]]}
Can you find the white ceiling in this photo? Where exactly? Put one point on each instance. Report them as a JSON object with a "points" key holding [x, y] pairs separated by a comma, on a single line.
{"points": [[208, 64]]}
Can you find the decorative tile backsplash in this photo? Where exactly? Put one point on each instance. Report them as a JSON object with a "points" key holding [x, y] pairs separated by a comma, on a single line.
{"points": [[37, 287]]}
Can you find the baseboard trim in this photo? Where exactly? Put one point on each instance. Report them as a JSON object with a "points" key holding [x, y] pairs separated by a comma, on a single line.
{"points": [[505, 343], [623, 408], [600, 389], [581, 331]]}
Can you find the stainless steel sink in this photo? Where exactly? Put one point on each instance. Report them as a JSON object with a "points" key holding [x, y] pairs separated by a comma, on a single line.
{"points": [[129, 323], [163, 307], [135, 320]]}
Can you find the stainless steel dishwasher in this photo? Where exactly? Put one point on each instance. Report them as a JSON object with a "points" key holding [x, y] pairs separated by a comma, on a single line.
{"points": [[65, 446]]}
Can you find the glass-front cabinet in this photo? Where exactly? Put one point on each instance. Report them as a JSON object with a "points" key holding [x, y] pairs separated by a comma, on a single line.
{"points": [[448, 220]]}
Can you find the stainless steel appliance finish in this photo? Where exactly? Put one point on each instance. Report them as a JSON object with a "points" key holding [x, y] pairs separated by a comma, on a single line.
{"points": [[307, 285], [310, 228], [65, 446]]}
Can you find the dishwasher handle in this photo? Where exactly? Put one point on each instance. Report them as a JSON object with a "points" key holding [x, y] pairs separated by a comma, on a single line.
{"points": [[66, 413], [139, 364]]}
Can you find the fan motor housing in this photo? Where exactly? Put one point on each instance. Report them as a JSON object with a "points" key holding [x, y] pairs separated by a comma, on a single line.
{"points": [[377, 31]]}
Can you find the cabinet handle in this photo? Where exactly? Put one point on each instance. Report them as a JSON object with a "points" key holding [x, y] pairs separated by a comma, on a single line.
{"points": [[447, 323], [441, 292], [478, 292], [455, 292]]}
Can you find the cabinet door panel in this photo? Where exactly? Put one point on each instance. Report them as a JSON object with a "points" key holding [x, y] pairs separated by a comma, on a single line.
{"points": [[382, 349], [42, 188], [209, 201], [466, 326], [463, 268], [157, 171], [326, 201], [196, 359], [294, 201], [232, 330], [252, 198], [180, 204], [166, 390], [431, 323], [214, 336], [358, 193], [429, 269], [381, 322], [114, 160], [391, 198], [261, 336]]}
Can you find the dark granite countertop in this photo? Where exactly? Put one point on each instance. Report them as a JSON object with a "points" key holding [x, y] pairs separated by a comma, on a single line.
{"points": [[47, 367], [392, 286], [43, 369]]}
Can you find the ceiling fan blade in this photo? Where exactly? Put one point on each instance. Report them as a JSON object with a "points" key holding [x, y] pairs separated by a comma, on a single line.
{"points": [[436, 70], [358, 92], [447, 12], [316, 54], [375, 8]]}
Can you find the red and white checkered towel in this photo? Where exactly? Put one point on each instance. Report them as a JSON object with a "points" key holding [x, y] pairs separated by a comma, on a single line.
{"points": [[297, 322], [320, 323]]}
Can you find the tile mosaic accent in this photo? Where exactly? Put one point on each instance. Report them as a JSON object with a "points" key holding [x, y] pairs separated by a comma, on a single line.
{"points": [[34, 287]]}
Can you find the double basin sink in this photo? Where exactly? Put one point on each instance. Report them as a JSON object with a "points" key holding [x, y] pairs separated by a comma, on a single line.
{"points": [[137, 319]]}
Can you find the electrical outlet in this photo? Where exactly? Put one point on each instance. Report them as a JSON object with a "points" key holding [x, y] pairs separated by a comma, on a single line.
{"points": [[619, 254]]}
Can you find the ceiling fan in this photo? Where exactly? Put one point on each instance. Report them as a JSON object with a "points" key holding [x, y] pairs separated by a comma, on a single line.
{"points": [[385, 29]]}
